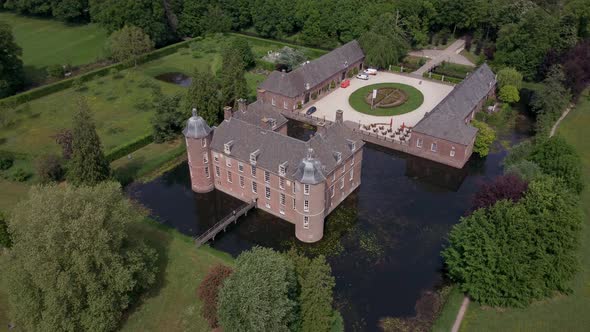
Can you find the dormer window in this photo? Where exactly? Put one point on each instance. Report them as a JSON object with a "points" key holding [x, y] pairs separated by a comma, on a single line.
{"points": [[227, 147], [283, 169], [338, 156], [351, 144], [254, 157]]}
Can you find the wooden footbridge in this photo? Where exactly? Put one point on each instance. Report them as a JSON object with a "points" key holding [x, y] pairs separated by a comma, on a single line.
{"points": [[223, 223]]}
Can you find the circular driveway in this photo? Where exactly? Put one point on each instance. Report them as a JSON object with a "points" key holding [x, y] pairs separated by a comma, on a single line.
{"points": [[338, 99]]}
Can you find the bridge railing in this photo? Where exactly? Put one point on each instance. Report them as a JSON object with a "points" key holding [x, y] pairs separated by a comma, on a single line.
{"points": [[223, 223]]}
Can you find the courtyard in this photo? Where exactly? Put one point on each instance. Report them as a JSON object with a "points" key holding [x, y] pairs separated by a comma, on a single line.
{"points": [[432, 92]]}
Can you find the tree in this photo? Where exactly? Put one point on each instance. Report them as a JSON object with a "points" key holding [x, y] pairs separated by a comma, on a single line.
{"points": [[242, 47], [505, 187], [88, 164], [509, 76], [129, 43], [552, 97], [208, 292], [485, 137], [11, 66], [273, 18], [5, 240], [509, 94], [524, 169], [386, 43], [204, 95], [260, 295], [64, 139], [49, 168], [232, 79], [290, 57], [168, 121], [557, 158], [75, 265], [316, 285]]}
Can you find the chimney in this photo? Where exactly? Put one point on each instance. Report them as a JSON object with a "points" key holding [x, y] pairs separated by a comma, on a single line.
{"points": [[339, 116], [242, 107], [227, 112]]}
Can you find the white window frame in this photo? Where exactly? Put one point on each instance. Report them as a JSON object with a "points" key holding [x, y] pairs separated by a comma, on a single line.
{"points": [[267, 176], [253, 171], [204, 142], [294, 203], [282, 199], [332, 191], [229, 177], [306, 222], [282, 183], [205, 158], [240, 167], [285, 106], [343, 168], [228, 162], [241, 181], [306, 189], [306, 206], [293, 187], [273, 102], [434, 147], [342, 183], [419, 143], [217, 171], [207, 172], [267, 192], [254, 187], [282, 170], [215, 157], [351, 174], [352, 161], [452, 153], [334, 177]]}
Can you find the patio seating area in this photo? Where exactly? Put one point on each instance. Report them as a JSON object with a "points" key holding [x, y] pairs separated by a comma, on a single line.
{"points": [[401, 134]]}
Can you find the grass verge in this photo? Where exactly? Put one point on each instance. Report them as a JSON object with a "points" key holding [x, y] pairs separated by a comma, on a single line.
{"points": [[446, 318], [415, 99]]}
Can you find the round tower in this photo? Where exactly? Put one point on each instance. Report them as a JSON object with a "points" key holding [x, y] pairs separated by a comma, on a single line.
{"points": [[198, 140], [311, 199]]}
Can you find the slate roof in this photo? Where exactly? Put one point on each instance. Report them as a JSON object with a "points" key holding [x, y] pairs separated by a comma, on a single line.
{"points": [[275, 148], [446, 120], [260, 114], [293, 84], [196, 127]]}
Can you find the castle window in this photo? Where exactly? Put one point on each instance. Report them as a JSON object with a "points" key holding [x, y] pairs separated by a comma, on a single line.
{"points": [[241, 181], [217, 174], [267, 192], [452, 153], [352, 161], [306, 222], [283, 169], [342, 183], [293, 187], [305, 206], [241, 167], [294, 203], [433, 147], [216, 157], [285, 106], [267, 176], [207, 172], [227, 147], [306, 189], [282, 199], [282, 183], [205, 158], [334, 177], [351, 144], [204, 142], [343, 169], [228, 162], [332, 191], [351, 174], [419, 143], [254, 171], [254, 156], [282, 210], [254, 187], [338, 157], [229, 178], [272, 101]]}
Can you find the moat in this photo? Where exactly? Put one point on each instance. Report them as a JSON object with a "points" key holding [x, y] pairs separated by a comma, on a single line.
{"points": [[383, 242]]}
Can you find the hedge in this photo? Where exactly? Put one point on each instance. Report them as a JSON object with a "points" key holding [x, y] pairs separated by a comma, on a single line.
{"points": [[127, 148], [64, 84], [438, 77]]}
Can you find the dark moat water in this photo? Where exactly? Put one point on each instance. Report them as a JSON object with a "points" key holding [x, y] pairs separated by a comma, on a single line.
{"points": [[383, 242], [175, 78]]}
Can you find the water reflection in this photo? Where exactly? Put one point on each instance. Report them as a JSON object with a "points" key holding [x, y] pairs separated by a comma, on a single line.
{"points": [[383, 242]]}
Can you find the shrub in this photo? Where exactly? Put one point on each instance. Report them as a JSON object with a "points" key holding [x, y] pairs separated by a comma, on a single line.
{"points": [[355, 70], [6, 160], [20, 175], [56, 71], [505, 187], [485, 137], [5, 240], [524, 169], [349, 74], [299, 105], [49, 168], [209, 290], [314, 95], [78, 84], [509, 94], [558, 158], [332, 85]]}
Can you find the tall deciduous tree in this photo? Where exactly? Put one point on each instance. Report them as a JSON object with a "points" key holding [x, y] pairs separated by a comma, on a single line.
{"points": [[88, 164], [509, 76], [11, 66], [557, 158], [386, 43], [129, 43], [204, 95], [168, 121], [260, 295], [209, 292], [484, 139], [75, 265], [509, 94]]}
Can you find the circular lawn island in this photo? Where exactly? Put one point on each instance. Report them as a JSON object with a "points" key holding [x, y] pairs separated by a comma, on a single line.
{"points": [[392, 99]]}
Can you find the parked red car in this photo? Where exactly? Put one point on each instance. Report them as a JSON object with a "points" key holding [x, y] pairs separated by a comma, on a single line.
{"points": [[345, 84]]}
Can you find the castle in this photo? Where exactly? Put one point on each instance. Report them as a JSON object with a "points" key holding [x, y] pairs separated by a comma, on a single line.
{"points": [[249, 156]]}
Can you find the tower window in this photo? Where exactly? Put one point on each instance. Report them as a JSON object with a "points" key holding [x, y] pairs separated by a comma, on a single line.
{"points": [[267, 192], [306, 189], [305, 206], [306, 222], [207, 172], [217, 173], [229, 178], [254, 187]]}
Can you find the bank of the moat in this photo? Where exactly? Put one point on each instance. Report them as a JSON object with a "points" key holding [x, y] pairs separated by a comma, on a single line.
{"points": [[383, 243]]}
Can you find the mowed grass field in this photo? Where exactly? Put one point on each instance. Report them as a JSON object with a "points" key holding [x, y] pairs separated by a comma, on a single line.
{"points": [[48, 42], [564, 312]]}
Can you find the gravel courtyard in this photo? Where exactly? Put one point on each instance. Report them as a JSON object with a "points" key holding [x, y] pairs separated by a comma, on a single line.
{"points": [[338, 99]]}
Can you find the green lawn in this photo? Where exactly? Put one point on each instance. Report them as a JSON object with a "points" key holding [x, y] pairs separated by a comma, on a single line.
{"points": [[415, 99], [446, 318], [47, 42], [562, 313]]}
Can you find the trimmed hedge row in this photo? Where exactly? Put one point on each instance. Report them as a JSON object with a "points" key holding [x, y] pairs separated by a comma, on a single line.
{"points": [[129, 147], [48, 89], [439, 78]]}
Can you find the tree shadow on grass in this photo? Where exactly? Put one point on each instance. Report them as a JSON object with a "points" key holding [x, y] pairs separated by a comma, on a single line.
{"points": [[129, 172], [158, 237]]}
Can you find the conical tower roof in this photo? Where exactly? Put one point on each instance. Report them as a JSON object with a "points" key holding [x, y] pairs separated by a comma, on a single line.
{"points": [[196, 127], [310, 170]]}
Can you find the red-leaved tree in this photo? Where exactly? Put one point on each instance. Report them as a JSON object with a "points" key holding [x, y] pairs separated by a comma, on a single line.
{"points": [[209, 290], [510, 187]]}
